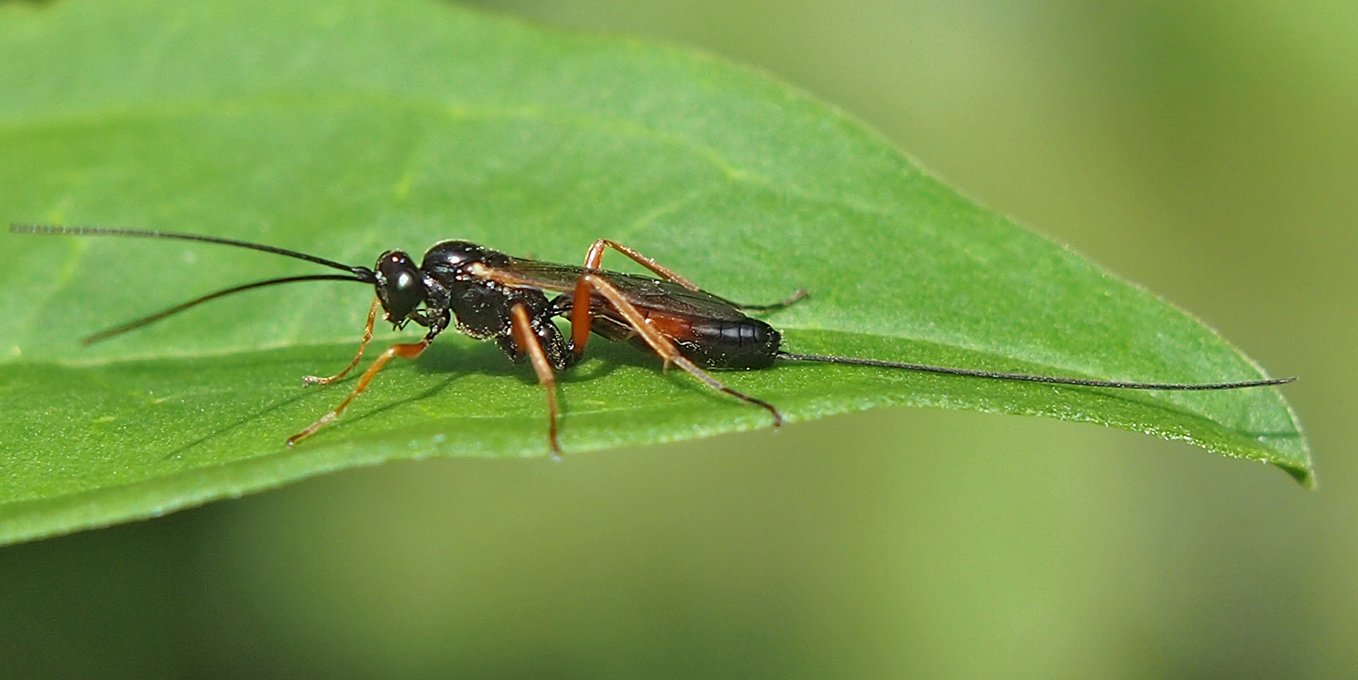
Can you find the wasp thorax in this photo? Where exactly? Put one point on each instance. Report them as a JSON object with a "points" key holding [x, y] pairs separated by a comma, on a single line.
{"points": [[451, 258]]}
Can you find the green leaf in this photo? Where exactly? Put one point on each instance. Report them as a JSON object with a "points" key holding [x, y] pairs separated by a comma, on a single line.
{"points": [[345, 128]]}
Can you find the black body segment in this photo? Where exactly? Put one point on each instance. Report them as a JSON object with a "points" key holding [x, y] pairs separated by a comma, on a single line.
{"points": [[723, 344]]}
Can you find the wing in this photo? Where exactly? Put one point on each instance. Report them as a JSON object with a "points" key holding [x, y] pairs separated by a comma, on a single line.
{"points": [[645, 292]]}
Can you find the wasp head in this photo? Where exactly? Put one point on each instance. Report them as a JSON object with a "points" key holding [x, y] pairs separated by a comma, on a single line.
{"points": [[400, 285]]}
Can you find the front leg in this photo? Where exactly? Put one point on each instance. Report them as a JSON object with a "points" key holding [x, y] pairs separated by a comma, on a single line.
{"points": [[362, 345], [410, 350]]}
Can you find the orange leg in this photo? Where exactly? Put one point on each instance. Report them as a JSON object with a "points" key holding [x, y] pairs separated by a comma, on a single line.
{"points": [[367, 336], [657, 341], [660, 344], [580, 317], [403, 350], [596, 255], [522, 327], [664, 347]]}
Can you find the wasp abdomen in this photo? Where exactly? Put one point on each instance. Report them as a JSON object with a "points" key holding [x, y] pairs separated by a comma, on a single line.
{"points": [[729, 344]]}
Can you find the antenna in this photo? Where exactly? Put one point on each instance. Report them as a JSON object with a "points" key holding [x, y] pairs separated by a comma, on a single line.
{"points": [[57, 230], [354, 273]]}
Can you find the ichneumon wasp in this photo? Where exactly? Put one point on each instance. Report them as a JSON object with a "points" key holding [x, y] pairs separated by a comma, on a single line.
{"points": [[489, 295]]}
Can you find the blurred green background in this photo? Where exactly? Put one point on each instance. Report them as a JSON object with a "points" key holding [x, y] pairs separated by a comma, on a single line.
{"points": [[1206, 150]]}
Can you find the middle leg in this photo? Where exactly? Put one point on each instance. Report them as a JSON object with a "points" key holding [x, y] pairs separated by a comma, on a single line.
{"points": [[521, 325]]}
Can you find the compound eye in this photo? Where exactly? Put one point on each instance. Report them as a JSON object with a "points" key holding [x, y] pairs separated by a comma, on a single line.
{"points": [[399, 285]]}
